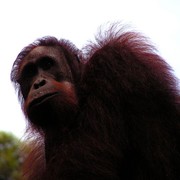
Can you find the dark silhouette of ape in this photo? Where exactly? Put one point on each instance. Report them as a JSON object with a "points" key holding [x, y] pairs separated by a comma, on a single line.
{"points": [[110, 113]]}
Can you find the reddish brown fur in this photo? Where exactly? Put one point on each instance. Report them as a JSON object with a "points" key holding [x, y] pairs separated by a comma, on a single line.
{"points": [[127, 119]]}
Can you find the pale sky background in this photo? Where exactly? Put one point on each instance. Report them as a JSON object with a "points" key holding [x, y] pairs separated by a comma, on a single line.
{"points": [[23, 21]]}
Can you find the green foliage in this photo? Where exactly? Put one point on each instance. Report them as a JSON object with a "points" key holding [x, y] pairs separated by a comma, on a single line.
{"points": [[10, 157]]}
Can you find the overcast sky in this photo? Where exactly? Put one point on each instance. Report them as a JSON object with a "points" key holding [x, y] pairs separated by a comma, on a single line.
{"points": [[23, 21]]}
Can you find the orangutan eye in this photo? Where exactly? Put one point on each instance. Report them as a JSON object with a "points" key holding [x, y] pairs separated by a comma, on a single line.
{"points": [[29, 71], [46, 63]]}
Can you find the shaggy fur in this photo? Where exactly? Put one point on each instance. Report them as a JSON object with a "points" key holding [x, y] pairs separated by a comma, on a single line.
{"points": [[128, 118]]}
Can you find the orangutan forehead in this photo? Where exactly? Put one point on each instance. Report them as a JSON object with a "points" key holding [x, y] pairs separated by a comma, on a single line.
{"points": [[40, 52], [43, 51]]}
